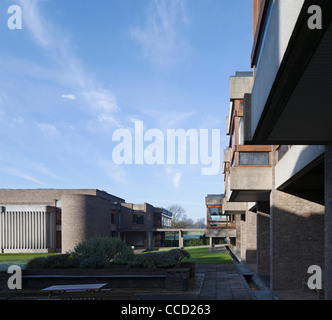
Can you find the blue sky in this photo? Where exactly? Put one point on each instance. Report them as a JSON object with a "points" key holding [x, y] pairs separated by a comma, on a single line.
{"points": [[79, 70]]}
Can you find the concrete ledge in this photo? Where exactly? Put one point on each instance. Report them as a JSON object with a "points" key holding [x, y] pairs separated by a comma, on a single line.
{"points": [[234, 207], [295, 161], [250, 178]]}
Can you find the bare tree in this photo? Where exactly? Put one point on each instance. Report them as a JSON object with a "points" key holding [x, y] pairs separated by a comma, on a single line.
{"points": [[179, 218]]}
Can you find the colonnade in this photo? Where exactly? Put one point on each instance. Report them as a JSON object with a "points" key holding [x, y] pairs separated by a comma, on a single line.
{"points": [[23, 230]]}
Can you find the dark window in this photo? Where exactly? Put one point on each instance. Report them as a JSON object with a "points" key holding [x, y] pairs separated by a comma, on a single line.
{"points": [[138, 218]]}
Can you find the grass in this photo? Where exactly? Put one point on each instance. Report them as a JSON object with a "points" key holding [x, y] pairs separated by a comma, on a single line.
{"points": [[197, 255], [21, 259], [201, 255]]}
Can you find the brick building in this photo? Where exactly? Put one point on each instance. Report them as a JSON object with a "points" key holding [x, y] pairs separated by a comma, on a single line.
{"points": [[56, 220], [284, 205]]}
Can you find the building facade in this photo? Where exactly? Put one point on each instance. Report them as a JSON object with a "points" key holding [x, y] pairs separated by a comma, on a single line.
{"points": [[284, 194], [57, 220]]}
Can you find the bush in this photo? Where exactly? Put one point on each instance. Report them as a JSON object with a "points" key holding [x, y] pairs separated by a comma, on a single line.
{"points": [[102, 252], [93, 263], [58, 261], [155, 260]]}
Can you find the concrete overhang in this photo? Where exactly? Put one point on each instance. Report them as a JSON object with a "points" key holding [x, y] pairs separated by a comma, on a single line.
{"points": [[227, 155], [291, 97], [234, 208], [240, 84], [214, 200], [250, 184], [301, 172]]}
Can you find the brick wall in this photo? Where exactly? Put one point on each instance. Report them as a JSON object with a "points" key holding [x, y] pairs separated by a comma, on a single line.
{"points": [[83, 217], [251, 237], [297, 239], [263, 238]]}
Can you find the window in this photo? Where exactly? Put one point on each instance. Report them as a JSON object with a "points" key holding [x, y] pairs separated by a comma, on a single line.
{"points": [[113, 217], [241, 133], [254, 158], [138, 218]]}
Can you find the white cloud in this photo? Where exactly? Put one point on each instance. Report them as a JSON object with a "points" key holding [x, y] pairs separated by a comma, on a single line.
{"points": [[104, 118], [160, 37], [68, 96], [58, 44], [24, 175], [102, 100], [113, 171], [177, 179], [48, 130], [175, 176], [168, 119]]}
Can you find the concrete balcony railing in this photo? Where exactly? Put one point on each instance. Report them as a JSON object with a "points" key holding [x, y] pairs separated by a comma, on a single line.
{"points": [[250, 184]]}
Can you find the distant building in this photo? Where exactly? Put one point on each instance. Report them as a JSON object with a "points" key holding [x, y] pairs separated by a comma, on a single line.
{"points": [[50, 220]]}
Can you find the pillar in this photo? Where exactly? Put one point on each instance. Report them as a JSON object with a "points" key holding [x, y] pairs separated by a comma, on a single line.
{"points": [[263, 238], [251, 237], [297, 241], [149, 240], [180, 239]]}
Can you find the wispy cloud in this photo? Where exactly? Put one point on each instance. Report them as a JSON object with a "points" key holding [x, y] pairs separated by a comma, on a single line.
{"points": [[24, 175], [113, 171], [59, 46], [68, 96], [49, 130], [168, 119], [175, 176], [160, 36], [102, 100]]}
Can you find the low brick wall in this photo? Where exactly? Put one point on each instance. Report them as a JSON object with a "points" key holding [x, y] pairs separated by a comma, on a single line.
{"points": [[170, 279]]}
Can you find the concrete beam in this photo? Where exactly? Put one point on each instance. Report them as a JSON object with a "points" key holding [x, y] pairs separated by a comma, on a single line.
{"points": [[214, 200], [250, 178], [239, 85], [234, 207]]}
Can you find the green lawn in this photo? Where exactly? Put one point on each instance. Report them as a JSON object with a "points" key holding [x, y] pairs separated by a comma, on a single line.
{"points": [[6, 260], [201, 255]]}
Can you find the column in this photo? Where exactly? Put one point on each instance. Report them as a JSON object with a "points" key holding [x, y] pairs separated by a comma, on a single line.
{"points": [[251, 235], [297, 242], [180, 239], [263, 238]]}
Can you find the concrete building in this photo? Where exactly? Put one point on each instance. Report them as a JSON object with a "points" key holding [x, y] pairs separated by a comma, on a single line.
{"points": [[287, 198], [57, 220], [139, 224]]}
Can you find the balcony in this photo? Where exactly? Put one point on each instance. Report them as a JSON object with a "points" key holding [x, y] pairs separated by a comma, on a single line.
{"points": [[250, 184], [291, 96]]}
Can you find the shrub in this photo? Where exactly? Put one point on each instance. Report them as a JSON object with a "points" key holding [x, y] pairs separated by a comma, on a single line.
{"points": [[153, 260], [58, 261], [93, 263], [103, 251]]}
